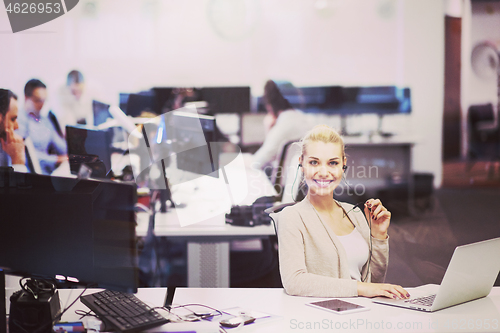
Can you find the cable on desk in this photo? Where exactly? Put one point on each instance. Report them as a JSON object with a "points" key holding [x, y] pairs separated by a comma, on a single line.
{"points": [[84, 314], [56, 318], [37, 286], [202, 316]]}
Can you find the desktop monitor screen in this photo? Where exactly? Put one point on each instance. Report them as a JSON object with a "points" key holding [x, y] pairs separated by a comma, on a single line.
{"points": [[162, 97], [101, 112], [84, 142], [191, 135], [123, 100], [226, 99], [377, 99], [310, 99], [348, 100], [137, 103], [78, 229]]}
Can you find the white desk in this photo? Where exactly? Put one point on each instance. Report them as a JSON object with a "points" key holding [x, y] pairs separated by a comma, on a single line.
{"points": [[295, 316], [209, 238]]}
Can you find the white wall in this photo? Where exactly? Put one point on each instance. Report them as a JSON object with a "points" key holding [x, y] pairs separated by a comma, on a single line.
{"points": [[485, 26], [128, 45]]}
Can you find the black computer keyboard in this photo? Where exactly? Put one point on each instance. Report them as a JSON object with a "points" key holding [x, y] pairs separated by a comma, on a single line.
{"points": [[122, 311]]}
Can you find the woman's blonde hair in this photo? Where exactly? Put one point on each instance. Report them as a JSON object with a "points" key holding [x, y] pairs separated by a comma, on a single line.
{"points": [[324, 134]]}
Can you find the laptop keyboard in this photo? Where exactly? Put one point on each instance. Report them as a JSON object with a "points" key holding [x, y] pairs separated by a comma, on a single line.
{"points": [[425, 301]]}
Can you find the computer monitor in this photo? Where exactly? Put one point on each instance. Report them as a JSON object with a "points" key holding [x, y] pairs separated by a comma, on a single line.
{"points": [[162, 97], [226, 99], [69, 229], [101, 112], [86, 145], [310, 99], [137, 103], [123, 100], [379, 100], [191, 135]]}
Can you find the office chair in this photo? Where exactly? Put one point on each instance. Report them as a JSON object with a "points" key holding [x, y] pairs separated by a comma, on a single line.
{"points": [[272, 279], [31, 157], [257, 267], [483, 135], [287, 171], [273, 213], [55, 123]]}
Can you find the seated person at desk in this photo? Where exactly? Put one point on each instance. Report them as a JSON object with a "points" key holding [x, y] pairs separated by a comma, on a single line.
{"points": [[12, 145], [50, 147], [75, 102], [284, 124], [324, 245]]}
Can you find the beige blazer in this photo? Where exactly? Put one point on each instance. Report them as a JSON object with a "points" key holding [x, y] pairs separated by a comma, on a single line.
{"points": [[313, 261]]}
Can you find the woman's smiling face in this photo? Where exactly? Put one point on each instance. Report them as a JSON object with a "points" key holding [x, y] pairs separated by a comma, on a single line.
{"points": [[322, 165]]}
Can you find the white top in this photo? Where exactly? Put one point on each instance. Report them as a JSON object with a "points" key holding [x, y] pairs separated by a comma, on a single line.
{"points": [[69, 110], [357, 252], [291, 125]]}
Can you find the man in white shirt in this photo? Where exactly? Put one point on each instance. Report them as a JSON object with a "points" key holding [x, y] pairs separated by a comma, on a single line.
{"points": [[12, 151], [74, 102]]}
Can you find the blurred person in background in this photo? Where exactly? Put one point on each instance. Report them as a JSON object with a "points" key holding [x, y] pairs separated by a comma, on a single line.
{"points": [[12, 151], [74, 101], [283, 123], [50, 146]]}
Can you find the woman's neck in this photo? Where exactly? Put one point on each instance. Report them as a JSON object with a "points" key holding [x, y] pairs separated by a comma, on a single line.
{"points": [[322, 202]]}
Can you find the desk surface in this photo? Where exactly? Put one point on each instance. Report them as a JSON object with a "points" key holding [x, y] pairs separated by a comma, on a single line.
{"points": [[206, 200], [295, 316], [166, 224]]}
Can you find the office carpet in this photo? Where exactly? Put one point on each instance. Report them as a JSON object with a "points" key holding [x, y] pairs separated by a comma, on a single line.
{"points": [[421, 244]]}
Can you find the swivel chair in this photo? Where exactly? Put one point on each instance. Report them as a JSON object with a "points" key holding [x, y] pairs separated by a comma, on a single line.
{"points": [[483, 136]]}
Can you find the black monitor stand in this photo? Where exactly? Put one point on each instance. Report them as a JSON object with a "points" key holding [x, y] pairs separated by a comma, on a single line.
{"points": [[169, 297], [379, 128], [343, 127]]}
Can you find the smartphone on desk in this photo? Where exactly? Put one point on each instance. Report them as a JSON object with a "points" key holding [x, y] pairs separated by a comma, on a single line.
{"points": [[338, 306], [237, 321]]}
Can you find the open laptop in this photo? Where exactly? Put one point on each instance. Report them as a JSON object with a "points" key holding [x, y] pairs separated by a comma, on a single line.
{"points": [[470, 275]]}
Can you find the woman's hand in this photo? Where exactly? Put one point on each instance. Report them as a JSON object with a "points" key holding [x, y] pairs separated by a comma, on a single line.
{"points": [[382, 289], [379, 216]]}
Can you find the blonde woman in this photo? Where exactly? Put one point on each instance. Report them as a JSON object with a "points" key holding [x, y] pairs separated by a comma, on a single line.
{"points": [[325, 247]]}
